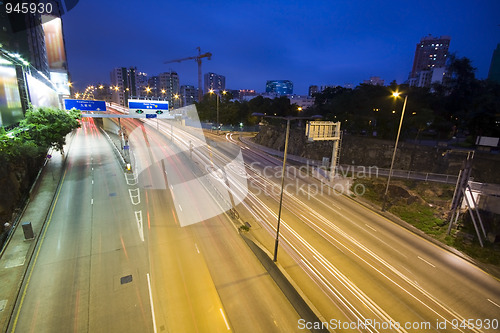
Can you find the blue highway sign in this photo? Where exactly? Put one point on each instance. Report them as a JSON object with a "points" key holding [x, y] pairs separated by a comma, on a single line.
{"points": [[148, 106], [84, 105]]}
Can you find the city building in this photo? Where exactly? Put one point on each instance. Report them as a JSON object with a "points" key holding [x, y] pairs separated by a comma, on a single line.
{"points": [[188, 94], [39, 41], [313, 90], [154, 87], [214, 82], [141, 82], [279, 87], [494, 72], [128, 83], [25, 37], [374, 80], [429, 64], [170, 88], [302, 101]]}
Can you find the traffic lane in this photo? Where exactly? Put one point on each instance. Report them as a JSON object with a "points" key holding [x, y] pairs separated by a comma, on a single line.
{"points": [[184, 297], [68, 267], [247, 311], [252, 299], [466, 289], [402, 287], [351, 285], [55, 294], [118, 293], [341, 217]]}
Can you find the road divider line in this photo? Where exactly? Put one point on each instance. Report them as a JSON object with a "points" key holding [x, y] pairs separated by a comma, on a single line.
{"points": [[151, 302], [138, 219], [369, 226], [489, 300], [428, 263], [224, 317]]}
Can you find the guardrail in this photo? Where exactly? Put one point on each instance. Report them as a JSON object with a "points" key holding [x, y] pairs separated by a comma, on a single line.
{"points": [[373, 171]]}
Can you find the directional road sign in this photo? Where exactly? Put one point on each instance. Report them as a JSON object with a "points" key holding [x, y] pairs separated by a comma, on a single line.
{"points": [[84, 105], [147, 106]]}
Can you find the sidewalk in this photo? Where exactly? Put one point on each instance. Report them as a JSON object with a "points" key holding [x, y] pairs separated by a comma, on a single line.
{"points": [[15, 259]]}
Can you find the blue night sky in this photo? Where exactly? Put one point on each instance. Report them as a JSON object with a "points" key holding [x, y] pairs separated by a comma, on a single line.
{"points": [[307, 42]]}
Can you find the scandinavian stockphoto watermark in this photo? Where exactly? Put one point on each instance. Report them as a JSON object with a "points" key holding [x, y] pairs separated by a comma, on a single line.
{"points": [[297, 180], [418, 326]]}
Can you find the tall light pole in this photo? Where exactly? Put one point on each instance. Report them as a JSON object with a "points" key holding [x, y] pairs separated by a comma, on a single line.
{"points": [[217, 101], [287, 134], [396, 95]]}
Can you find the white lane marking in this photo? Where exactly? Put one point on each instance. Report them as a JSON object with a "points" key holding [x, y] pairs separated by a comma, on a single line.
{"points": [[196, 246], [92, 182], [369, 226], [151, 302], [138, 219], [133, 196], [92, 201], [428, 263], [224, 317], [180, 207], [493, 302], [132, 181]]}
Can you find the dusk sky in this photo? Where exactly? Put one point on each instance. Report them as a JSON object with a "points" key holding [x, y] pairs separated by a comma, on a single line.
{"points": [[307, 42]]}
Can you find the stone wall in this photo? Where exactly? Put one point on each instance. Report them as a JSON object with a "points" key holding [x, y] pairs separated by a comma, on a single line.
{"points": [[375, 152]]}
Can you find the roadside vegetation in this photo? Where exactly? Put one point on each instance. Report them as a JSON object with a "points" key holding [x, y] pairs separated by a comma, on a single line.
{"points": [[426, 207], [22, 152], [41, 129]]}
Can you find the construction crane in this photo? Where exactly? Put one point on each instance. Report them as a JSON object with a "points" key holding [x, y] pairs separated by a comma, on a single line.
{"points": [[198, 60]]}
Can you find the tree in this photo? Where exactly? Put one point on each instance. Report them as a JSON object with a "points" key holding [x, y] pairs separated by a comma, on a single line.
{"points": [[48, 127]]}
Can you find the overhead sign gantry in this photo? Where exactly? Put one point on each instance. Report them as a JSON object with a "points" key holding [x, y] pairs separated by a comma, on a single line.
{"points": [[152, 109]]}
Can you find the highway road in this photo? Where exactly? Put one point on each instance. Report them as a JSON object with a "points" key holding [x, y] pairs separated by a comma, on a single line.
{"points": [[366, 266], [154, 250], [114, 258]]}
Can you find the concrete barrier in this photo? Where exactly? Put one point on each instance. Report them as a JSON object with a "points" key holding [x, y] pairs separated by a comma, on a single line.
{"points": [[299, 301]]}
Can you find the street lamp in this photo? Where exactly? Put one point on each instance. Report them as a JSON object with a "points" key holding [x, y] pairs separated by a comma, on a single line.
{"points": [[395, 95], [288, 119], [217, 100]]}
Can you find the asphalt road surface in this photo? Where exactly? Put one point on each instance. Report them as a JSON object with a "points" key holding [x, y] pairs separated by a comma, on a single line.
{"points": [[114, 258]]}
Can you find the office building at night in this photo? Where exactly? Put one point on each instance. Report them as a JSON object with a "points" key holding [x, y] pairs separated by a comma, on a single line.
{"points": [[170, 88], [279, 87], [214, 81], [429, 64], [188, 94]]}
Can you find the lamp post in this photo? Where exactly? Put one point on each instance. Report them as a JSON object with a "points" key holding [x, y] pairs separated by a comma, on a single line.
{"points": [[217, 101], [395, 95], [287, 134]]}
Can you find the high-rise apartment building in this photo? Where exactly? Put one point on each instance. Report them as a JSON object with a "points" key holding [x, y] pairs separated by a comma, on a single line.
{"points": [[154, 87], [128, 83], [120, 85], [214, 82], [188, 94], [314, 89], [141, 83], [170, 88], [430, 59], [431, 52], [279, 87], [494, 72]]}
